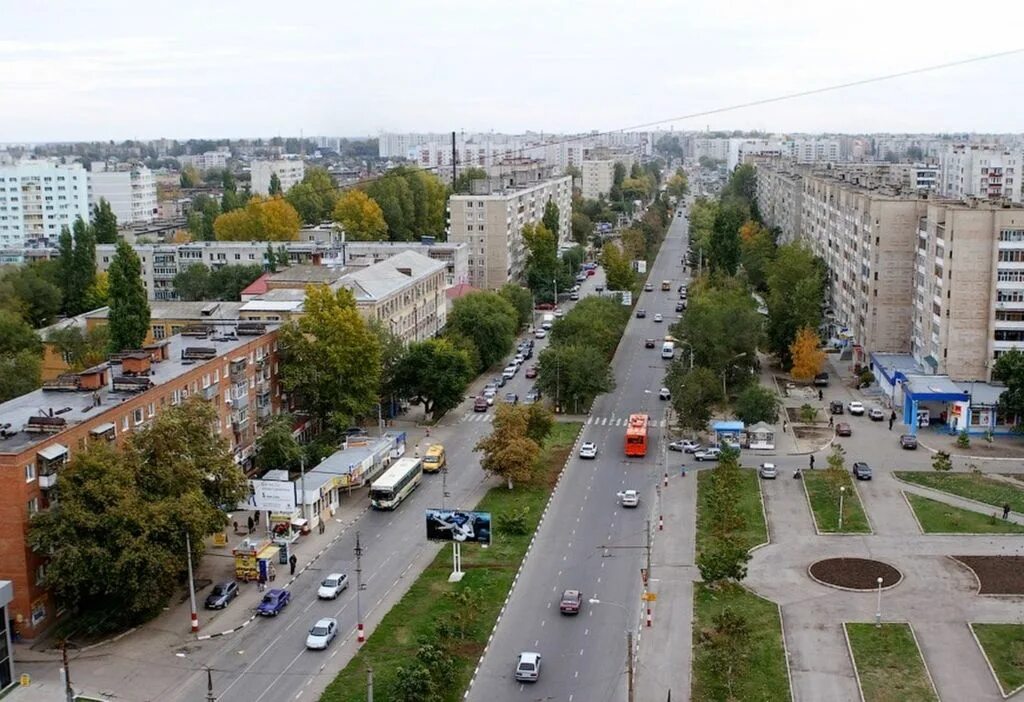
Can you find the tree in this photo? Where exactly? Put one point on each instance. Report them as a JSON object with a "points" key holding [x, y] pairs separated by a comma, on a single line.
{"points": [[189, 177], [275, 185], [640, 188], [757, 403], [678, 186], [808, 358], [82, 348], [128, 318], [77, 262], [392, 351], [794, 298], [596, 322], [26, 291], [574, 374], [434, 372], [228, 282], [1009, 370], [508, 451], [193, 283], [726, 646], [104, 223], [205, 211], [757, 253], [394, 197], [544, 272], [360, 217], [98, 294], [539, 422], [669, 146], [618, 268], [582, 228], [724, 252], [723, 328], [723, 558], [16, 335], [230, 200], [271, 219], [464, 181], [551, 218], [618, 173], [19, 373], [330, 359], [413, 684], [489, 321], [942, 462], [693, 393], [521, 301], [276, 447]]}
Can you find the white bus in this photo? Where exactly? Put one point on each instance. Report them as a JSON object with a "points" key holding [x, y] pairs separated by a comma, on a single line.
{"points": [[388, 491]]}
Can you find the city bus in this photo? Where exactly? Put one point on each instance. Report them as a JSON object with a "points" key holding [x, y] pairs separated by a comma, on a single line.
{"points": [[388, 491], [636, 435]]}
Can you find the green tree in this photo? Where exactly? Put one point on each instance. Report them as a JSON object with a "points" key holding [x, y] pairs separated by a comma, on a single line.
{"points": [[360, 217], [724, 250], [942, 462], [276, 447], [230, 200], [550, 218], [723, 558], [26, 291], [1009, 370], [693, 393], [618, 173], [228, 282], [574, 374], [544, 272], [489, 321], [678, 186], [539, 421], [618, 268], [193, 283], [128, 318], [757, 403], [82, 348], [794, 298], [275, 185], [573, 258], [394, 197], [436, 373], [726, 646], [330, 359], [77, 262], [19, 373], [596, 322], [582, 228], [315, 197], [668, 145], [757, 253], [189, 177], [205, 211], [413, 683], [508, 451], [723, 327], [392, 351], [16, 335], [521, 300], [104, 223]]}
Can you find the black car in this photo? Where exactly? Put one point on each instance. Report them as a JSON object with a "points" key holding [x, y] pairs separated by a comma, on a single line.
{"points": [[222, 595], [908, 441], [821, 380], [640, 314], [680, 306], [861, 471], [498, 381], [835, 407]]}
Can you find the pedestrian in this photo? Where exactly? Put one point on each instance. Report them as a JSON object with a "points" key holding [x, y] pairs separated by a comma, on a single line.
{"points": [[783, 426], [261, 582], [812, 461], [831, 421], [293, 561], [236, 526], [322, 526], [1006, 511], [252, 524], [890, 423], [821, 396]]}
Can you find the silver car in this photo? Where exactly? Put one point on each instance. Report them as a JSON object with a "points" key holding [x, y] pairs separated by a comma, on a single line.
{"points": [[768, 471]]}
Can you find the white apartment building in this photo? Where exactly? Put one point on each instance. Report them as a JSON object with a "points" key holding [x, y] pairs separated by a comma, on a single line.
{"points": [[289, 171], [131, 192], [976, 170], [597, 177], [491, 225], [811, 149], [205, 161], [37, 198], [780, 199]]}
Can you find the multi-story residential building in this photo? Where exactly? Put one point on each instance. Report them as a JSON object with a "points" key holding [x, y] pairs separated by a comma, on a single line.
{"points": [[289, 171], [206, 161], [37, 199], [405, 293], [45, 428], [491, 225], [131, 191], [597, 177], [780, 199], [985, 171]]}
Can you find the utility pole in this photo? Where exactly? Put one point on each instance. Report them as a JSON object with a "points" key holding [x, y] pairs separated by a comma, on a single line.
{"points": [[302, 484], [648, 550], [444, 485], [191, 585], [369, 684], [630, 692], [209, 686], [360, 637], [66, 672], [454, 159]]}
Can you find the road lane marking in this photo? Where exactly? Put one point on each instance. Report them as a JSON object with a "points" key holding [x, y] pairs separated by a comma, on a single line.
{"points": [[280, 675]]}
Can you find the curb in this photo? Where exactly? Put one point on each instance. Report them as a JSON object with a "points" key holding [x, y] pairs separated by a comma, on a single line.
{"points": [[853, 662], [968, 457], [814, 519], [950, 533], [785, 650], [978, 592], [981, 505], [853, 589], [999, 684]]}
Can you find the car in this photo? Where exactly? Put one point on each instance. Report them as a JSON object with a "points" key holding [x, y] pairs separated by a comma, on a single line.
{"points": [[274, 600], [598, 288], [481, 403], [531, 397], [540, 333], [545, 306], [835, 407], [570, 602], [574, 296], [908, 441], [498, 381], [356, 431], [843, 429], [629, 498], [648, 287], [861, 471], [512, 398], [559, 313], [332, 586], [322, 634], [708, 454], [664, 394], [591, 272], [648, 343], [531, 372], [856, 408], [574, 288], [684, 446], [680, 306], [640, 314], [519, 359], [221, 595], [588, 449], [876, 414], [821, 380], [768, 471], [528, 666], [581, 277], [657, 318], [509, 372]]}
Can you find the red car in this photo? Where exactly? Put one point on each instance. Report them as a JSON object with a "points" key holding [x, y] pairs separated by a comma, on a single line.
{"points": [[480, 404], [591, 272], [531, 372], [843, 429], [545, 306]]}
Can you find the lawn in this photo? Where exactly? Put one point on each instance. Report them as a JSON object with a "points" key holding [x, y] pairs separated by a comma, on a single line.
{"points": [[889, 663], [939, 518], [761, 675], [749, 505], [975, 486], [1004, 646], [823, 491], [489, 573]]}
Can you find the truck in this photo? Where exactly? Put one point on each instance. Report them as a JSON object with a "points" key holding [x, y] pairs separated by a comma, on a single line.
{"points": [[666, 285]]}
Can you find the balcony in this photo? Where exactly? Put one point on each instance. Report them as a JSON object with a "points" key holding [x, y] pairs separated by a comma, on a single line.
{"points": [[48, 481], [210, 391]]}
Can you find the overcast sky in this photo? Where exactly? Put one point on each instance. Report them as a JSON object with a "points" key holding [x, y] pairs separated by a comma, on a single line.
{"points": [[115, 70]]}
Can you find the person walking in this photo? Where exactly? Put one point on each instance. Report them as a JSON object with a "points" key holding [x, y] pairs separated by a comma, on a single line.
{"points": [[261, 582], [783, 426], [1006, 511], [812, 461], [821, 396], [322, 526], [892, 419], [251, 524], [293, 561], [831, 421]]}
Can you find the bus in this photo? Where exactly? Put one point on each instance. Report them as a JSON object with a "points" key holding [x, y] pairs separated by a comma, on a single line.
{"points": [[636, 435], [434, 459], [388, 491]]}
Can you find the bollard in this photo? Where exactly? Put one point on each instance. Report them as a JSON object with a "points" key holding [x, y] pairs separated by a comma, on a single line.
{"points": [[360, 636], [666, 479], [648, 616], [661, 523]]}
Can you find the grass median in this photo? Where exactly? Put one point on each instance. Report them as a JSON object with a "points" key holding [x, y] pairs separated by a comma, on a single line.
{"points": [[937, 517], [974, 486], [470, 606], [1004, 646], [823, 490], [748, 504], [889, 663]]}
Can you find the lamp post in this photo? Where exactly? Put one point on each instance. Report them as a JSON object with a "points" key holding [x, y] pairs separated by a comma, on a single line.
{"points": [[878, 609], [725, 394], [842, 492]]}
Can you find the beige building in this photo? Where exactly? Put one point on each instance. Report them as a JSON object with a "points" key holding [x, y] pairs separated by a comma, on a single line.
{"points": [[491, 225], [597, 177], [289, 171], [780, 199]]}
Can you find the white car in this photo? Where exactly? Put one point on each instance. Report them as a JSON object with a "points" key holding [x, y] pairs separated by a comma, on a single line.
{"points": [[685, 445], [588, 449], [658, 317], [856, 407], [489, 394], [540, 334], [559, 314], [629, 498], [708, 454], [528, 667], [332, 586], [509, 372], [768, 471], [322, 634], [664, 394]]}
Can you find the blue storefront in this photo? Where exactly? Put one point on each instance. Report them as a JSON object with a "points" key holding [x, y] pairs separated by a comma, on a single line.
{"points": [[930, 398]]}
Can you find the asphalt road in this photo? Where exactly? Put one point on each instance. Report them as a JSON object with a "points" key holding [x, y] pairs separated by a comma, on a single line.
{"points": [[584, 656], [267, 661]]}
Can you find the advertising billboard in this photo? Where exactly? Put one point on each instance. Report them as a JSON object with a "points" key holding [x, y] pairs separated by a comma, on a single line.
{"points": [[271, 495], [458, 525]]}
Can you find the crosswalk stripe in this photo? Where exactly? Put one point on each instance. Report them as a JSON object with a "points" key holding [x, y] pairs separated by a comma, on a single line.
{"points": [[590, 420], [604, 420]]}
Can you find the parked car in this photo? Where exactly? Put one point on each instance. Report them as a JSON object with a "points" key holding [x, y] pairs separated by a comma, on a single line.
{"points": [[588, 449], [559, 313], [876, 414], [598, 288], [835, 407], [332, 586], [856, 408], [528, 667], [221, 595], [480, 404], [322, 634], [498, 381], [658, 318], [532, 396], [708, 454], [640, 314], [629, 498], [512, 398], [531, 372], [680, 306], [843, 429], [821, 380], [574, 296], [768, 471], [908, 441], [861, 471], [648, 343], [273, 602], [664, 394], [510, 372], [540, 333], [685, 446], [570, 602]]}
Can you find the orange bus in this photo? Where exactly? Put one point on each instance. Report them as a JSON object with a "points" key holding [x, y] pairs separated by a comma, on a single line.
{"points": [[636, 435]]}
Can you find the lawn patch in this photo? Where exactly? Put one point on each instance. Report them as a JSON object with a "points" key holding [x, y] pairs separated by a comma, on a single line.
{"points": [[1003, 645], [973, 486], [823, 492], [937, 517], [748, 504], [889, 663], [431, 599]]}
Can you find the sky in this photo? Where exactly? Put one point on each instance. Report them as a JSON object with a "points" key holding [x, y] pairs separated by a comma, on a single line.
{"points": [[97, 70]]}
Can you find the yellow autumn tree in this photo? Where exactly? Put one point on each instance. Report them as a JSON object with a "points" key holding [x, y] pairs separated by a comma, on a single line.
{"points": [[360, 217], [262, 219], [750, 230], [808, 358]]}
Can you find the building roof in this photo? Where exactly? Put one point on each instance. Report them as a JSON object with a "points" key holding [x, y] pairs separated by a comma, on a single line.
{"points": [[727, 425], [257, 287], [78, 321], [305, 275], [983, 394], [892, 363], [347, 460], [200, 310], [933, 387], [460, 290], [262, 305], [383, 279]]}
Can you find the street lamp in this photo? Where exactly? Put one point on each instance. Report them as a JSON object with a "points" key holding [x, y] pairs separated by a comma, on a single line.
{"points": [[878, 609], [725, 394], [842, 491]]}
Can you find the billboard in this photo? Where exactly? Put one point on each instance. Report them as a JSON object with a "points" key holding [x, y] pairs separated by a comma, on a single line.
{"points": [[271, 495], [458, 525]]}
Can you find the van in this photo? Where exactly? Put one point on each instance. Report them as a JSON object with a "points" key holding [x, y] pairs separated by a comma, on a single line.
{"points": [[547, 321], [434, 459], [668, 350], [666, 285]]}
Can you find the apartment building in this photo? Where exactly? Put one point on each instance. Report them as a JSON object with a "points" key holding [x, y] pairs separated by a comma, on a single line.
{"points": [[206, 161], [780, 198], [597, 177], [985, 171], [406, 293], [45, 428], [491, 225], [289, 171], [37, 199], [130, 190]]}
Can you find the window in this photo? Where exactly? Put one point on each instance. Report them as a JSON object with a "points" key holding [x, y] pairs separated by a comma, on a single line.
{"points": [[124, 423], [30, 472], [151, 410], [40, 573], [137, 416], [33, 506], [1014, 256], [158, 331]]}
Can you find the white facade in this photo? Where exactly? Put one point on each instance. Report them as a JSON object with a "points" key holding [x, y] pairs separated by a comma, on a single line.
{"points": [[205, 161], [131, 193], [597, 177], [973, 170], [289, 171], [37, 198]]}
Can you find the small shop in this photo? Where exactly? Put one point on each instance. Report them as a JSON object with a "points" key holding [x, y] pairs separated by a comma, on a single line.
{"points": [[761, 436], [932, 399], [731, 431], [287, 527], [254, 560]]}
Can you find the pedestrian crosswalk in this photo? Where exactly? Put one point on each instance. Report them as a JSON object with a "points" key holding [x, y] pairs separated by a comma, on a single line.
{"points": [[591, 421]]}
